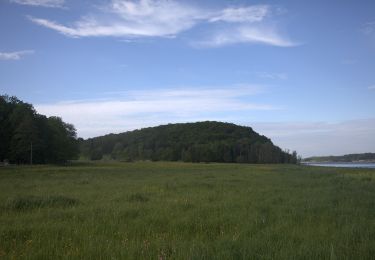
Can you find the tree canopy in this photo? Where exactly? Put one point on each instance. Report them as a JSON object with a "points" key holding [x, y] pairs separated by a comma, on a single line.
{"points": [[24, 130], [190, 142]]}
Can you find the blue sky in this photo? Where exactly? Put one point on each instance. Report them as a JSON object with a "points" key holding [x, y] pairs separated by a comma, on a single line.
{"points": [[300, 72]]}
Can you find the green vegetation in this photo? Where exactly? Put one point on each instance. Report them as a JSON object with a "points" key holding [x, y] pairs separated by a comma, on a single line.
{"points": [[365, 157], [158, 210], [26, 136], [189, 142]]}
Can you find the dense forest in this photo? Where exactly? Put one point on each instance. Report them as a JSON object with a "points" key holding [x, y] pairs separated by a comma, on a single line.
{"points": [[26, 136], [343, 158], [190, 142]]}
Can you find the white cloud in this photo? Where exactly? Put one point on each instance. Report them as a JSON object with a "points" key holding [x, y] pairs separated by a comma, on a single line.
{"points": [[14, 55], [250, 14], [247, 34], [52, 25], [44, 3], [322, 138], [144, 18], [168, 18], [371, 87], [135, 109]]}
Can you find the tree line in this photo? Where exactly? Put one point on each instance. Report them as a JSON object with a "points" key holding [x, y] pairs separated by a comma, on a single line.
{"points": [[26, 136], [189, 142]]}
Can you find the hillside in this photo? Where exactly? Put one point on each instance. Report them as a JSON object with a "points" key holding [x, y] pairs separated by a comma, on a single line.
{"points": [[364, 157], [190, 142]]}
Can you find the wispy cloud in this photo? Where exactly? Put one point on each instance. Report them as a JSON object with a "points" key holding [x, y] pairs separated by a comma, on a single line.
{"points": [[17, 55], [43, 3], [371, 87], [275, 76], [135, 109], [250, 14], [162, 18], [144, 18], [322, 138], [247, 34]]}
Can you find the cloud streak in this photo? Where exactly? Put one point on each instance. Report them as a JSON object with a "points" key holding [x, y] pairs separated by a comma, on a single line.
{"points": [[322, 138], [17, 55], [135, 109], [162, 18], [249, 14], [43, 3], [246, 34], [274, 76]]}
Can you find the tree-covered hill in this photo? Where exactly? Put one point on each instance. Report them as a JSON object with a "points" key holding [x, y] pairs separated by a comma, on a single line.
{"points": [[190, 142], [26, 136], [366, 157]]}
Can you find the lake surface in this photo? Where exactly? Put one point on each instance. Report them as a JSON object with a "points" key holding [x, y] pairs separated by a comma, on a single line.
{"points": [[344, 165]]}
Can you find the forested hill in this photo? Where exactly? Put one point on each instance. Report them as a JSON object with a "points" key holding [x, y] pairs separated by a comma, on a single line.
{"points": [[366, 157], [190, 142]]}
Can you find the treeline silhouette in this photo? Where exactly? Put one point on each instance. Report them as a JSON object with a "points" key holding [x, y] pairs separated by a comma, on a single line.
{"points": [[26, 136], [190, 142]]}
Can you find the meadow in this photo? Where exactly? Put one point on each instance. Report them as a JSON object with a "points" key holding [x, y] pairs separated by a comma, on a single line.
{"points": [[160, 210]]}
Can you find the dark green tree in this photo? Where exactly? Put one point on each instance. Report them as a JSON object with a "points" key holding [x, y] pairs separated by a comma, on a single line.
{"points": [[63, 142], [25, 133], [25, 139]]}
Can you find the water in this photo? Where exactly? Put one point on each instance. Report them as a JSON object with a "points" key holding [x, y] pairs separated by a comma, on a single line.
{"points": [[344, 165]]}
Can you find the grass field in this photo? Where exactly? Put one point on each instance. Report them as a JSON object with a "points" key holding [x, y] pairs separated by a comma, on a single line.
{"points": [[186, 211]]}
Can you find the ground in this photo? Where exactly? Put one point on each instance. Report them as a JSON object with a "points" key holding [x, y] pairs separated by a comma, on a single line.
{"points": [[186, 211]]}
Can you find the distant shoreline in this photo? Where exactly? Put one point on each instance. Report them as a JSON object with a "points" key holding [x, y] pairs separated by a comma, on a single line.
{"points": [[347, 158], [343, 162], [370, 165]]}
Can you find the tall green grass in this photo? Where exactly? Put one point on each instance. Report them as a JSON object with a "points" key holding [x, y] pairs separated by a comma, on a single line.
{"points": [[186, 211]]}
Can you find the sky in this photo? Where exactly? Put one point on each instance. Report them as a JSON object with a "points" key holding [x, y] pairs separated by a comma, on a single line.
{"points": [[299, 72]]}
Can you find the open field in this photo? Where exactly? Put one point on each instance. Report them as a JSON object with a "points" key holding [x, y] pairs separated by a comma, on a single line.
{"points": [[186, 211]]}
